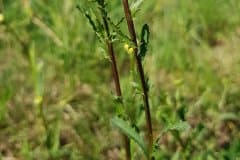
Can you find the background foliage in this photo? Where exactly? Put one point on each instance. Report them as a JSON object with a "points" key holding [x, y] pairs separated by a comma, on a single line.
{"points": [[52, 64]]}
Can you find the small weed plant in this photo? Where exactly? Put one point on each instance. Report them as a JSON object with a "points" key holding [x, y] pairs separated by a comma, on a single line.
{"points": [[158, 80], [109, 34]]}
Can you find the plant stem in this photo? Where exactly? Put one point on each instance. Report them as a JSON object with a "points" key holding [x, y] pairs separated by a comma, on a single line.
{"points": [[133, 36], [115, 74]]}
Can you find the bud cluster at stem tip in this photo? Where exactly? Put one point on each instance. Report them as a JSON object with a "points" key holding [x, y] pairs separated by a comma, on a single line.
{"points": [[129, 49]]}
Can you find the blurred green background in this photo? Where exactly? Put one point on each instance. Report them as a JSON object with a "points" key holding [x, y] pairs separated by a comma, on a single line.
{"points": [[52, 64]]}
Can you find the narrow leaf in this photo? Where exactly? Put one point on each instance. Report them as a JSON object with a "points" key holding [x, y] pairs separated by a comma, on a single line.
{"points": [[229, 116], [144, 41], [136, 4], [126, 129], [93, 21]]}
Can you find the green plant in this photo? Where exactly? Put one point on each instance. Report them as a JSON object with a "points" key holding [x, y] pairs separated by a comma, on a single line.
{"points": [[192, 63], [139, 53], [101, 27]]}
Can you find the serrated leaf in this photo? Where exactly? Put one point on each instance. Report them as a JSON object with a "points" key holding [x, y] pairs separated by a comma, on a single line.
{"points": [[126, 129], [144, 41], [180, 126], [91, 22], [94, 22], [116, 28]]}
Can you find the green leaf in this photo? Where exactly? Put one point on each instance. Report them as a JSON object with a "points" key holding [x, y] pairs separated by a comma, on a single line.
{"points": [[229, 116], [101, 2], [91, 22], [136, 4], [126, 129], [118, 99], [123, 37], [144, 41], [179, 126], [52, 136], [94, 22]]}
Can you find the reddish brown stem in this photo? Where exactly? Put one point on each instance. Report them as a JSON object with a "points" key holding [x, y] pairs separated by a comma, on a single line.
{"points": [[115, 74], [133, 36], [118, 92]]}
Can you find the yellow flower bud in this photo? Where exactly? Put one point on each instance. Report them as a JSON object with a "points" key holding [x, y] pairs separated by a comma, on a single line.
{"points": [[130, 50], [126, 47], [1, 17], [38, 100]]}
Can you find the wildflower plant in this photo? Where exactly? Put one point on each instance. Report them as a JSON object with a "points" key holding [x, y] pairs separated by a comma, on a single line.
{"points": [[102, 29], [55, 98], [107, 31], [133, 103]]}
